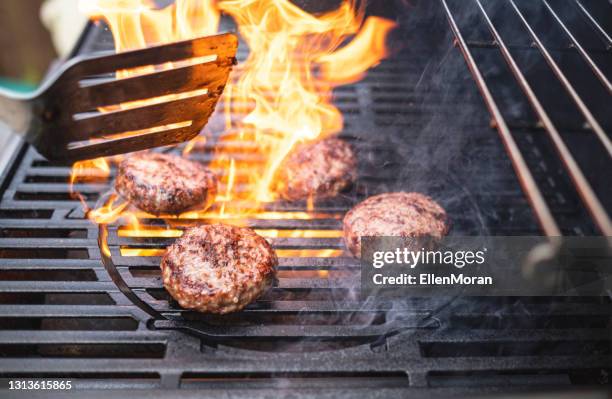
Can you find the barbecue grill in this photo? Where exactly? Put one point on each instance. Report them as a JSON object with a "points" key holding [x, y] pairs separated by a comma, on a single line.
{"points": [[516, 143]]}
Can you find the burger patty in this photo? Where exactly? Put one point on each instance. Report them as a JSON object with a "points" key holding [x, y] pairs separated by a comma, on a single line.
{"points": [[395, 215], [318, 170], [218, 268], [161, 183]]}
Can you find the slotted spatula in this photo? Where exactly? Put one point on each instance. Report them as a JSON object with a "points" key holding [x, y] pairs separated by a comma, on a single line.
{"points": [[80, 112]]}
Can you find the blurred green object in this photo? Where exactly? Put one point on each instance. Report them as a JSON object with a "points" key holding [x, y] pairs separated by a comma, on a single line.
{"points": [[21, 87], [26, 50]]}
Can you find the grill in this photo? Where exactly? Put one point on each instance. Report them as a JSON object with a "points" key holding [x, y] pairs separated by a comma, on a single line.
{"points": [[418, 123]]}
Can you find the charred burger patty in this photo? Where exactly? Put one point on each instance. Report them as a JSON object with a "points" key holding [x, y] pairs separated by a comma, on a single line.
{"points": [[162, 183], [394, 214], [218, 268], [320, 170]]}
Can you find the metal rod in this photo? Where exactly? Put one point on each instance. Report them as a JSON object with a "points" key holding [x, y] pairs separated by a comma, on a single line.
{"points": [[601, 134], [117, 278], [533, 193], [604, 80], [584, 189], [596, 24]]}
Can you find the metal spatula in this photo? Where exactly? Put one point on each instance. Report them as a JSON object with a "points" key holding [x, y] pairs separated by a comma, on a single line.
{"points": [[80, 112]]}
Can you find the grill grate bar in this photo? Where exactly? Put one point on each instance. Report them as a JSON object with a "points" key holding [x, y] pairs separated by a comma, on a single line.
{"points": [[600, 75], [561, 76], [349, 364], [50, 263], [82, 337], [56, 286], [48, 243], [424, 305], [331, 262], [293, 331], [283, 283], [64, 311], [595, 24], [277, 243], [516, 334]]}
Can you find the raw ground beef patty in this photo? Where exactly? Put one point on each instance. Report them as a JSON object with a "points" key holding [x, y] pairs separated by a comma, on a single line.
{"points": [[161, 183], [218, 268], [394, 214], [321, 170]]}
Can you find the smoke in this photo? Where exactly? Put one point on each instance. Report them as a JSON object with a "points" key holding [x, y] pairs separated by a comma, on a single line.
{"points": [[433, 134], [426, 130]]}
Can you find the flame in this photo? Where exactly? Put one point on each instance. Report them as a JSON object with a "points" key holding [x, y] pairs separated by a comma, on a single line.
{"points": [[104, 241], [139, 23], [349, 64], [281, 253], [141, 251], [289, 103], [300, 233], [109, 213], [165, 232], [87, 171], [279, 97], [196, 141], [149, 232]]}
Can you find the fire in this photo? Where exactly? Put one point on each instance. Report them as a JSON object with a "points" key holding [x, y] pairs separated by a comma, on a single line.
{"points": [[279, 97], [290, 102], [109, 212], [349, 64], [88, 171], [139, 23]]}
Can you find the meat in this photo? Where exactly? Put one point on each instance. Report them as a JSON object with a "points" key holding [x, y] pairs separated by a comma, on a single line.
{"points": [[218, 268], [161, 183], [394, 214], [318, 170]]}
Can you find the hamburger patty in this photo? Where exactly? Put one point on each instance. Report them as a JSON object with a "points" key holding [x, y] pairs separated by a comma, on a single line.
{"points": [[161, 183], [395, 215], [320, 170], [218, 268]]}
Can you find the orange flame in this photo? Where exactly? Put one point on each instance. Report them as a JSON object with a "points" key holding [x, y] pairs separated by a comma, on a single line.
{"points": [[87, 171], [289, 103], [139, 23], [109, 213], [280, 96], [349, 64]]}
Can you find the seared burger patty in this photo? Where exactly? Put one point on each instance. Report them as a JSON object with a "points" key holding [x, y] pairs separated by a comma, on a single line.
{"points": [[218, 268], [320, 170], [161, 183], [394, 215]]}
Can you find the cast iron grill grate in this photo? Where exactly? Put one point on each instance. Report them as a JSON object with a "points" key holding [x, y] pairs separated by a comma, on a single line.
{"points": [[62, 314]]}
